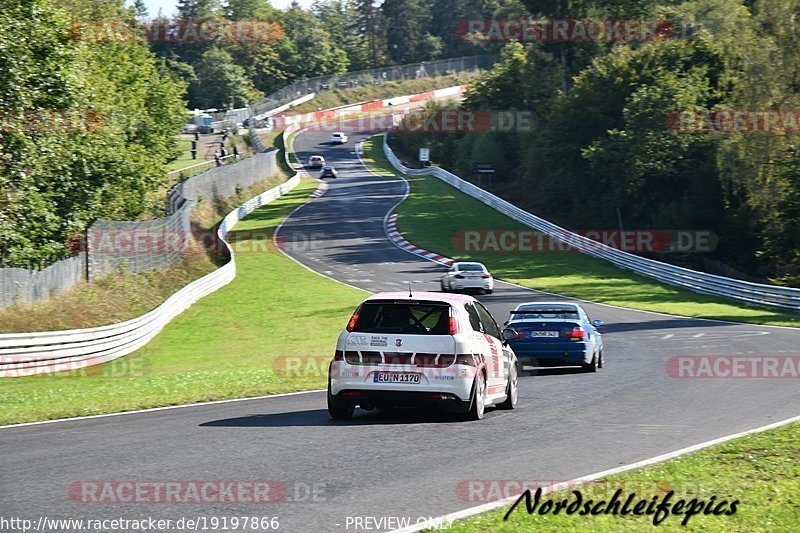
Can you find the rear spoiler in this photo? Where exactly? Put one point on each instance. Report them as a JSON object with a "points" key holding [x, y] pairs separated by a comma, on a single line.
{"points": [[541, 311]]}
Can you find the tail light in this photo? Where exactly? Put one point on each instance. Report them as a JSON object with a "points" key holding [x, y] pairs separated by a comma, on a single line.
{"points": [[575, 333], [487, 276], [458, 276], [454, 329], [352, 393], [520, 334], [353, 320], [446, 359], [466, 359]]}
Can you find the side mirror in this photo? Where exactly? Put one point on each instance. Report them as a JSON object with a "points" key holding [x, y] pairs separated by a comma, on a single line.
{"points": [[509, 334], [597, 323]]}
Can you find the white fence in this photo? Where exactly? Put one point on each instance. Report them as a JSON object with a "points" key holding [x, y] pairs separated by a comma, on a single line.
{"points": [[24, 354], [743, 291]]}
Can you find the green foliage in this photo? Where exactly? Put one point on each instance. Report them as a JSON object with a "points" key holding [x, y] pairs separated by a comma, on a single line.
{"points": [[220, 81], [407, 37], [86, 127]]}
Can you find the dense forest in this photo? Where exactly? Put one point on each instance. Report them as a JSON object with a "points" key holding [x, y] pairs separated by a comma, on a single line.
{"points": [[604, 147], [331, 37]]}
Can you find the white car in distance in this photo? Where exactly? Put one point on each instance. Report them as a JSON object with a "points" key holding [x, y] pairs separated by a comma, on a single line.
{"points": [[338, 137], [465, 276]]}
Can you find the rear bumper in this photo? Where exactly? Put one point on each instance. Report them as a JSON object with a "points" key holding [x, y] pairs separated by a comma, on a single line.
{"points": [[455, 380], [554, 356], [418, 399], [463, 284]]}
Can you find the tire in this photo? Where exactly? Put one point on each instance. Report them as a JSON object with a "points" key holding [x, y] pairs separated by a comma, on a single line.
{"points": [[488, 291], [477, 406], [338, 412], [600, 360], [591, 367], [512, 390], [444, 289]]}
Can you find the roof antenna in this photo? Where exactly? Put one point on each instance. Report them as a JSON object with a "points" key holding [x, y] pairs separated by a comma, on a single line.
{"points": [[409, 290]]}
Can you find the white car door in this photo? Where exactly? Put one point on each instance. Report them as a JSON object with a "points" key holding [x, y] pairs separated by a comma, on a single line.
{"points": [[499, 369]]}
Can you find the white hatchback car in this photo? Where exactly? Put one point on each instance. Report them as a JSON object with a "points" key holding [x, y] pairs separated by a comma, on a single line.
{"points": [[462, 276], [428, 350], [338, 138]]}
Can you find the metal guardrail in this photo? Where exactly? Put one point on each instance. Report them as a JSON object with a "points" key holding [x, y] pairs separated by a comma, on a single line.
{"points": [[24, 354], [742, 291], [375, 76]]}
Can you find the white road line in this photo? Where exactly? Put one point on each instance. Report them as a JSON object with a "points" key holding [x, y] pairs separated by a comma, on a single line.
{"points": [[698, 335], [165, 408], [667, 336], [491, 506]]}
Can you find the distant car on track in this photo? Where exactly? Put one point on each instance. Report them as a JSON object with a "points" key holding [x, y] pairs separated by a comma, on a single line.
{"points": [[338, 137], [464, 275], [425, 349], [328, 172], [316, 161], [555, 334]]}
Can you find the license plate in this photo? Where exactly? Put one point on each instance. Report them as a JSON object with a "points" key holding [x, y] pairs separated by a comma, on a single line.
{"points": [[394, 377], [544, 334]]}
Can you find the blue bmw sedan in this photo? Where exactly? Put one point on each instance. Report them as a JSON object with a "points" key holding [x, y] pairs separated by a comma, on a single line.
{"points": [[555, 334]]}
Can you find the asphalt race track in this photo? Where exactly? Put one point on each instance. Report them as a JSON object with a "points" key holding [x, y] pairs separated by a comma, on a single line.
{"points": [[404, 464]]}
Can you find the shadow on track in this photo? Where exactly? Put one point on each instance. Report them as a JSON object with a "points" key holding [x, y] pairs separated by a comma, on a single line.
{"points": [[320, 418]]}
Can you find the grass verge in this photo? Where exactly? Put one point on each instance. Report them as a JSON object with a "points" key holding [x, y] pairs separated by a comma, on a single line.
{"points": [[761, 471], [271, 330], [426, 219]]}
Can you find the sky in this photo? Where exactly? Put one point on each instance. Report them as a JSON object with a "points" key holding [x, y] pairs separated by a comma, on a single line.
{"points": [[168, 6]]}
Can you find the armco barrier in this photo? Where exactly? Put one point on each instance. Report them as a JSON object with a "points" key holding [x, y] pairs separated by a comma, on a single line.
{"points": [[30, 353], [296, 122], [743, 291]]}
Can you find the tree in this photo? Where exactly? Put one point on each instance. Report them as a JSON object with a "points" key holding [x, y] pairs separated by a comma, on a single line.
{"points": [[407, 37], [86, 127], [340, 18], [220, 82], [250, 9], [308, 51], [198, 9], [140, 9], [371, 28]]}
